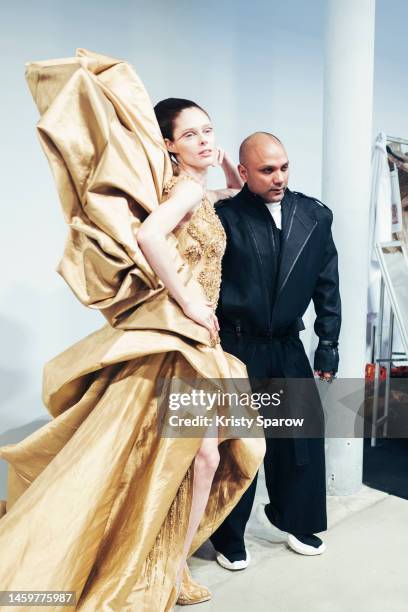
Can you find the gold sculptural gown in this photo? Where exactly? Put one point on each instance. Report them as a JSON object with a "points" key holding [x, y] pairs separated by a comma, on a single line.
{"points": [[98, 501]]}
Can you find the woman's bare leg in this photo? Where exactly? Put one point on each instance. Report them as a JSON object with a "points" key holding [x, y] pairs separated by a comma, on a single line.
{"points": [[205, 465]]}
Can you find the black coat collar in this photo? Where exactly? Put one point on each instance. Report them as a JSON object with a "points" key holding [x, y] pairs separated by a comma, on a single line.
{"points": [[297, 227]]}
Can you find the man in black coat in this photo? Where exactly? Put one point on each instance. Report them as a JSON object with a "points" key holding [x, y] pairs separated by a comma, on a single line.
{"points": [[280, 255]]}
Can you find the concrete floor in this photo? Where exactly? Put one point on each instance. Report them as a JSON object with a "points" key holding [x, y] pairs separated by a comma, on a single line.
{"points": [[364, 569]]}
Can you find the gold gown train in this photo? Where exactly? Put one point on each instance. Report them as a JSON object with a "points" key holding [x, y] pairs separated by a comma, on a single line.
{"points": [[98, 500]]}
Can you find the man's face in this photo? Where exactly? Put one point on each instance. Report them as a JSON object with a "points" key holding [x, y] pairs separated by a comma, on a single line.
{"points": [[265, 169]]}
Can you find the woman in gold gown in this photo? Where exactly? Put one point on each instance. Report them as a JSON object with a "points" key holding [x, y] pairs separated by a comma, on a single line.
{"points": [[99, 501]]}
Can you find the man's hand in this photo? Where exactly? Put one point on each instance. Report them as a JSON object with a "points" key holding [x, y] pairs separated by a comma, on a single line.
{"points": [[326, 361], [328, 376]]}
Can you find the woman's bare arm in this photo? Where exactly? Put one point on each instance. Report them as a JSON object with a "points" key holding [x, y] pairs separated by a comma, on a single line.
{"points": [[151, 237], [234, 183], [152, 234], [214, 195]]}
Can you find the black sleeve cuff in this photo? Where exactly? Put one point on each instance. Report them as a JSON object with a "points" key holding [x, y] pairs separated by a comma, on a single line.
{"points": [[327, 357]]}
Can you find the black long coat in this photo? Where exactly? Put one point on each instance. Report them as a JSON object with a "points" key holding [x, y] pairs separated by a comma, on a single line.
{"points": [[265, 291]]}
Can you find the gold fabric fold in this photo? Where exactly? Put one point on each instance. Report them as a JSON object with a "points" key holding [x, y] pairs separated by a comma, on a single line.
{"points": [[100, 135], [98, 501]]}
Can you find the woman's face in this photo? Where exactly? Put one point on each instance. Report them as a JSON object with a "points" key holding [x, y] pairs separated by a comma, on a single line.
{"points": [[193, 139]]}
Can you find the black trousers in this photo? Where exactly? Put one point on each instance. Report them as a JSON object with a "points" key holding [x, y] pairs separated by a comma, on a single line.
{"points": [[297, 492]]}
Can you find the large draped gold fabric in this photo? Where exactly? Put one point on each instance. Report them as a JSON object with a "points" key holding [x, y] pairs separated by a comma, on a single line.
{"points": [[98, 502]]}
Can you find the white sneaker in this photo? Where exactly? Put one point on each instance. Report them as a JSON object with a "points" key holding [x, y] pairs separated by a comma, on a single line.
{"points": [[269, 531], [233, 565], [304, 549], [276, 535]]}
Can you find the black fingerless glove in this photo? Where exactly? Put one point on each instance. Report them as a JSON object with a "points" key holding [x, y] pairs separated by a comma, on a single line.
{"points": [[327, 356]]}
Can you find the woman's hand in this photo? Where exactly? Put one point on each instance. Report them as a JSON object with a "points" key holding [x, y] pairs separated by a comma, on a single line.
{"points": [[203, 314], [219, 155], [232, 177]]}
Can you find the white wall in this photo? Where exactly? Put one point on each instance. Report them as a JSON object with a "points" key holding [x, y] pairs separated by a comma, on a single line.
{"points": [[390, 68]]}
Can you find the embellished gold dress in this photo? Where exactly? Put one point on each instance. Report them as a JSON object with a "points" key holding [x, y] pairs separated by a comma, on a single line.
{"points": [[99, 501]]}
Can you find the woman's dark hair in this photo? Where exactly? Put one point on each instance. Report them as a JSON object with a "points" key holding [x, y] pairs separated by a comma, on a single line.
{"points": [[167, 112]]}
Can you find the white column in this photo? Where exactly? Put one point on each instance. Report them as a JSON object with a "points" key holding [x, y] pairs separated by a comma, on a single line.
{"points": [[347, 138]]}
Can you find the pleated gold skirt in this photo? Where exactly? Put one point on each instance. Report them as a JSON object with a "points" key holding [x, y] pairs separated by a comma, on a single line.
{"points": [[99, 501]]}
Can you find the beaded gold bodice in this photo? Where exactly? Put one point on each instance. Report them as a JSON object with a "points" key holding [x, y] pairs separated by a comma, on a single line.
{"points": [[202, 244]]}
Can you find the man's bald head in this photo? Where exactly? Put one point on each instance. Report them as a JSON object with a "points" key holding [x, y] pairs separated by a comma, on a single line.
{"points": [[264, 166], [255, 140]]}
